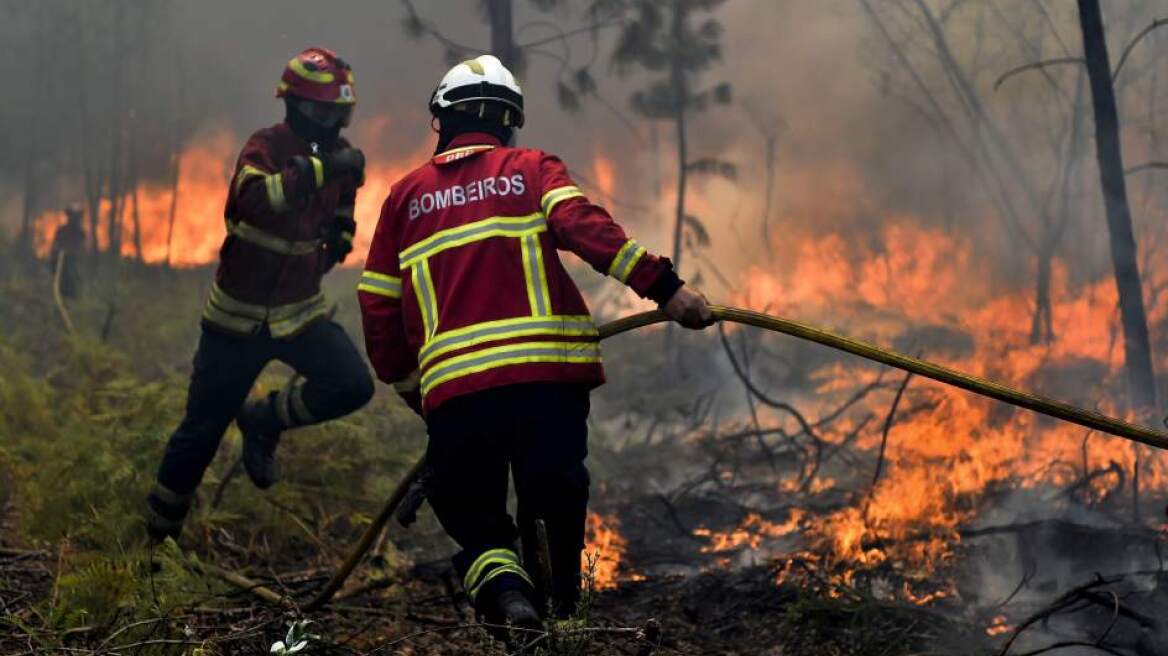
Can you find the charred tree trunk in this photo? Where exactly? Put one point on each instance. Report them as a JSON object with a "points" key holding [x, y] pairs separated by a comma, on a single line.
{"points": [[176, 124], [680, 95], [24, 242], [1136, 346], [1042, 323], [116, 187], [503, 34], [770, 190]]}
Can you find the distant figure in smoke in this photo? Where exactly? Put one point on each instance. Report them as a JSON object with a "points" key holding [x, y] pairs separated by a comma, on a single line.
{"points": [[67, 250], [469, 312], [289, 221]]}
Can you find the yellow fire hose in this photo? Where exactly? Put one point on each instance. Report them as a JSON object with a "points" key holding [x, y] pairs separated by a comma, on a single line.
{"points": [[1052, 408]]}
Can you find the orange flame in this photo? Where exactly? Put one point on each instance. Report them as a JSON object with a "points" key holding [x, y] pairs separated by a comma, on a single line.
{"points": [[205, 169], [604, 548]]}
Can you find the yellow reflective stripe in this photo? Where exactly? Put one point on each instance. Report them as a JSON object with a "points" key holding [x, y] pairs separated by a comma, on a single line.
{"points": [[265, 239], [489, 557], [287, 320], [275, 186], [320, 77], [493, 331], [241, 317], [496, 226], [248, 171], [424, 291], [381, 284], [535, 276], [455, 151], [317, 171], [558, 195], [170, 497], [238, 308], [509, 354], [345, 211], [513, 568], [626, 260]]}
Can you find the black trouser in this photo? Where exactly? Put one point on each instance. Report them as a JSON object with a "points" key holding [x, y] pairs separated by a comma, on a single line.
{"points": [[336, 382], [540, 430]]}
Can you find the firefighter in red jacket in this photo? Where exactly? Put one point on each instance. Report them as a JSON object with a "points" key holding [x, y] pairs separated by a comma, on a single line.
{"points": [[468, 310], [289, 220]]}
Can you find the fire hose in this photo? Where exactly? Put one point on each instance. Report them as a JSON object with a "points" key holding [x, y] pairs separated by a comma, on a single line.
{"points": [[983, 387]]}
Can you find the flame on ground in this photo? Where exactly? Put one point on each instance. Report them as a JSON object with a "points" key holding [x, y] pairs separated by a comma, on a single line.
{"points": [[604, 548], [948, 451]]}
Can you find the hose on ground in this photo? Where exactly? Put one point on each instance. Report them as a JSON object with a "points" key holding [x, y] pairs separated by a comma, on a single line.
{"points": [[993, 390]]}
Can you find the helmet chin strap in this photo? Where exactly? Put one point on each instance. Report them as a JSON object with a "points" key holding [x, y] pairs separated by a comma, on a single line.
{"points": [[309, 130]]}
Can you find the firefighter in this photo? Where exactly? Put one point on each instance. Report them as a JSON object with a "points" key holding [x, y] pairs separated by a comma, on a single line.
{"points": [[469, 312], [66, 251], [289, 220]]}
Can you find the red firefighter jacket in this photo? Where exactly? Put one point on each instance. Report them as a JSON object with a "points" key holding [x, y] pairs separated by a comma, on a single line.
{"points": [[463, 289], [271, 263]]}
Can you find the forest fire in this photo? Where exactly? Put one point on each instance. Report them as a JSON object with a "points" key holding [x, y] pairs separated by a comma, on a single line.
{"points": [[205, 169], [951, 458]]}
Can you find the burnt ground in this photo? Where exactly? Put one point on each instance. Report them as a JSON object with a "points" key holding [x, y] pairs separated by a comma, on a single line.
{"points": [[723, 613]]}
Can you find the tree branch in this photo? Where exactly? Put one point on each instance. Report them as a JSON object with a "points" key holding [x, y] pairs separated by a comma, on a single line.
{"points": [[1035, 65]]}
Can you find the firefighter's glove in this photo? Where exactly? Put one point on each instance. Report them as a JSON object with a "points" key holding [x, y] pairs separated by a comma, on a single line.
{"points": [[338, 240], [407, 512], [689, 308], [345, 162]]}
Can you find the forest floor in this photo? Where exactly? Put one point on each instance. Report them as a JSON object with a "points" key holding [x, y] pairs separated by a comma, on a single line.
{"points": [[84, 416]]}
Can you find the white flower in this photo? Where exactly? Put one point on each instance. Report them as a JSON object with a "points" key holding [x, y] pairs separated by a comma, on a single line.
{"points": [[294, 642]]}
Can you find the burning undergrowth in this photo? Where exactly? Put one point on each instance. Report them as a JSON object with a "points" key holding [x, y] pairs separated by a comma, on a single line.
{"points": [[861, 482]]}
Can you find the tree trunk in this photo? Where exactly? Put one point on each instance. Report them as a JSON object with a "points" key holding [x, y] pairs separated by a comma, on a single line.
{"points": [[24, 242], [1136, 348], [1042, 323], [503, 34], [116, 183], [770, 190], [680, 95]]}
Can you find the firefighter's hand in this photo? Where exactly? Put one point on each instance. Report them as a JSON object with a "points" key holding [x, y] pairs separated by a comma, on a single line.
{"points": [[689, 308], [346, 161]]}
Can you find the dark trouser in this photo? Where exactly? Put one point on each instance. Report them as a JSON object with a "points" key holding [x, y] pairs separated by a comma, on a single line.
{"points": [[540, 430], [336, 382]]}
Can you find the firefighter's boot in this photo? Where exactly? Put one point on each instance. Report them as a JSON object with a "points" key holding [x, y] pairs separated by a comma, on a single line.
{"points": [[261, 428], [513, 609], [166, 511]]}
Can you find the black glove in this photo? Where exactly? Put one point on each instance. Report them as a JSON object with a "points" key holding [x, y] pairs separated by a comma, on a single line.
{"points": [[407, 512], [345, 162], [338, 240]]}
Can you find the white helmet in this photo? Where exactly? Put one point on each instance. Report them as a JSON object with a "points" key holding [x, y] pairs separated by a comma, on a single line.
{"points": [[483, 79]]}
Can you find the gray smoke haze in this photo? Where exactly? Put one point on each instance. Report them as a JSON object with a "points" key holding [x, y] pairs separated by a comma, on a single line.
{"points": [[853, 146]]}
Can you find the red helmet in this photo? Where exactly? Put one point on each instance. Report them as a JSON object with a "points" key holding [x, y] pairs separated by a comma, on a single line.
{"points": [[318, 74]]}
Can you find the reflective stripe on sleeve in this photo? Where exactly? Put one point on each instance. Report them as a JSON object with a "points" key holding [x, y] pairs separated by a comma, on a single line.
{"points": [[626, 260], [275, 188], [493, 331], [248, 171], [380, 284], [317, 171], [496, 226], [509, 354], [557, 196]]}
